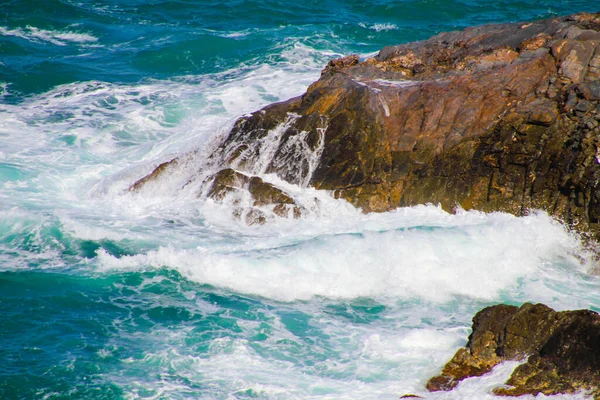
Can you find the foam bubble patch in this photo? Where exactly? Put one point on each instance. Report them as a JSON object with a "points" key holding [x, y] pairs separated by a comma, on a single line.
{"points": [[58, 38], [471, 254]]}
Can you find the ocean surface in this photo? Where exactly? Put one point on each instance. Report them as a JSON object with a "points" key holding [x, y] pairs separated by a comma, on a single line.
{"points": [[105, 294]]}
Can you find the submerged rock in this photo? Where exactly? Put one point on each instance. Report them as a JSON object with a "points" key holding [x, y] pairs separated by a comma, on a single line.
{"points": [[495, 118], [250, 198], [228, 183], [562, 350]]}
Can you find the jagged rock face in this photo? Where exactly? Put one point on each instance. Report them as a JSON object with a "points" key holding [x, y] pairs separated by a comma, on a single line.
{"points": [[562, 350], [499, 117], [495, 118]]}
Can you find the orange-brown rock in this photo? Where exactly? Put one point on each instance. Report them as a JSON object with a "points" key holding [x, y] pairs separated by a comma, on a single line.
{"points": [[495, 118], [228, 182], [499, 117], [562, 350]]}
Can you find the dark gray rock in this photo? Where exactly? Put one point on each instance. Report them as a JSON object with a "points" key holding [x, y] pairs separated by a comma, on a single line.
{"points": [[562, 350]]}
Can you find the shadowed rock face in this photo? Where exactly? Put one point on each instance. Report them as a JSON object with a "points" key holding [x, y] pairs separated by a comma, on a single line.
{"points": [[495, 118], [562, 350]]}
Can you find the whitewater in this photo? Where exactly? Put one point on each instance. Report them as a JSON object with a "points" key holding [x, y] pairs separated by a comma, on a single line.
{"points": [[161, 294]]}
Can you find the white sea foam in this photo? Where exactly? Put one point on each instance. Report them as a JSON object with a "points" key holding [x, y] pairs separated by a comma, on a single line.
{"points": [[240, 371], [58, 38], [333, 251], [379, 27], [384, 27], [79, 146], [3, 86], [34, 235], [302, 160], [399, 255], [100, 136], [302, 56], [266, 147], [235, 34], [340, 359]]}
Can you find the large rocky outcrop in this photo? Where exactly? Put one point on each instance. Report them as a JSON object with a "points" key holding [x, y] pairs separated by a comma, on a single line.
{"points": [[498, 117], [562, 350]]}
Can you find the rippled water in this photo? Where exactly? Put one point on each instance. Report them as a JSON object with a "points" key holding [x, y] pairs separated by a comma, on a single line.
{"points": [[109, 294]]}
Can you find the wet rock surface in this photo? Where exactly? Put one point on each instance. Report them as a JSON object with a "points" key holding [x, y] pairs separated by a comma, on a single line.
{"points": [[494, 118], [501, 117], [561, 349], [230, 183]]}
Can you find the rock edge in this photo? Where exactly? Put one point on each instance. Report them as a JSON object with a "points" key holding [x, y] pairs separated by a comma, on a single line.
{"points": [[561, 349]]}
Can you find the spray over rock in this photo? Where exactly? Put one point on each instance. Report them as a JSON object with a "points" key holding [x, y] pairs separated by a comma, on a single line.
{"points": [[494, 118]]}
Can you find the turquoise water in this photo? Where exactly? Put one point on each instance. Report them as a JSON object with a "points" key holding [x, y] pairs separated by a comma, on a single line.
{"points": [[107, 294]]}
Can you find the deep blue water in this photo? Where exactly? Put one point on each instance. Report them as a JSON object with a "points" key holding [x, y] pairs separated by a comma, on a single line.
{"points": [[109, 295], [45, 44]]}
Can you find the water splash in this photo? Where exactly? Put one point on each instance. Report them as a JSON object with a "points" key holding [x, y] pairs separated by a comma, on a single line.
{"points": [[254, 152]]}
